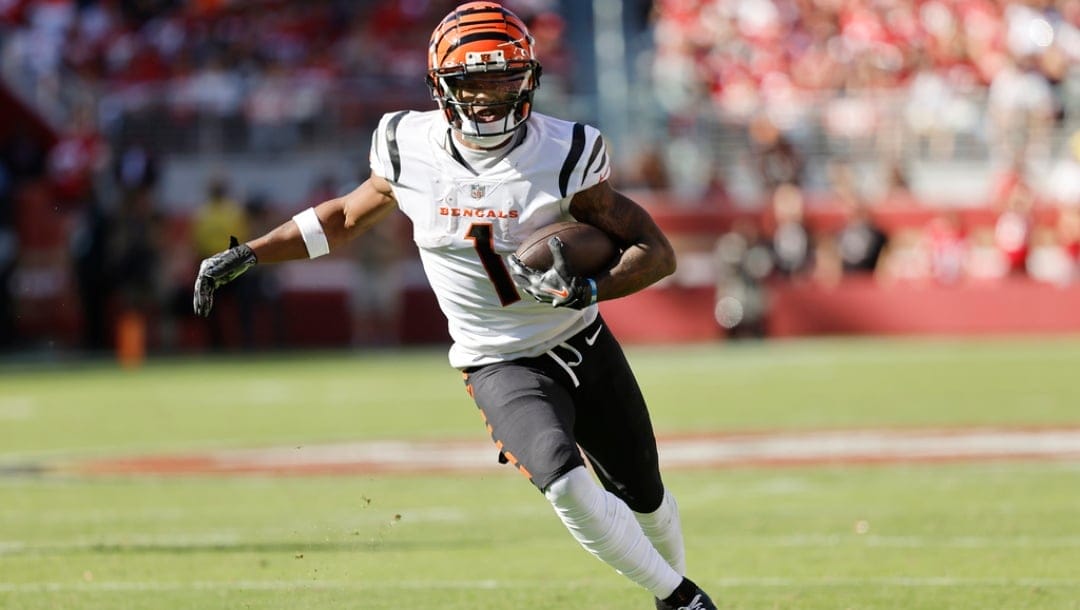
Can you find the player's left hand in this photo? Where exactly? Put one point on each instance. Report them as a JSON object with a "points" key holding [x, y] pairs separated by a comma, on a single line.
{"points": [[218, 270], [556, 285]]}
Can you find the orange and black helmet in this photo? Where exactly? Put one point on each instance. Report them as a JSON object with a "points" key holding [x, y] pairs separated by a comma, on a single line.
{"points": [[482, 70]]}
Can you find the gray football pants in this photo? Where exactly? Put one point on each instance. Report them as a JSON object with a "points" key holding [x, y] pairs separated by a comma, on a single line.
{"points": [[582, 393]]}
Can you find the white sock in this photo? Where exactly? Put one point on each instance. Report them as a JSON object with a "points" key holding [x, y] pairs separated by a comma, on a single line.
{"points": [[664, 529], [606, 527]]}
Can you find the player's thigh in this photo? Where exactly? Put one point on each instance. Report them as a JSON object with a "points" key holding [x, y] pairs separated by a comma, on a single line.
{"points": [[530, 416]]}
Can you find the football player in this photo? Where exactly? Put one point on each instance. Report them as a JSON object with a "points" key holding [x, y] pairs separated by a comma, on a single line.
{"points": [[475, 177]]}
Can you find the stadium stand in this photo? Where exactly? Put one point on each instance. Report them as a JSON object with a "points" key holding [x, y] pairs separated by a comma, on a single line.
{"points": [[836, 147]]}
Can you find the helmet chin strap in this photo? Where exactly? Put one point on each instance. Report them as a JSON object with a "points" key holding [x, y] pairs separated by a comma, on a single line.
{"points": [[486, 141]]}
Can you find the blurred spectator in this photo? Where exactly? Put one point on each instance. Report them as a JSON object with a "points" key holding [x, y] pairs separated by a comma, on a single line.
{"points": [[548, 30], [1047, 260], [375, 298], [984, 261], [9, 248], [1062, 186], [646, 169], [215, 92], [259, 291], [947, 248], [828, 269], [940, 252], [1013, 198], [678, 79], [860, 242], [22, 162], [271, 112], [135, 169], [907, 258], [379, 282], [1021, 110], [895, 187], [215, 222], [851, 120], [743, 261], [217, 219], [1054, 255], [778, 160], [91, 251], [940, 106], [326, 187], [1068, 232], [134, 255], [691, 169], [76, 159], [23, 156], [792, 245]]}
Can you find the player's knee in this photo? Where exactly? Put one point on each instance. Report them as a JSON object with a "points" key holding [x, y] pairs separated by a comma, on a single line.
{"points": [[573, 492]]}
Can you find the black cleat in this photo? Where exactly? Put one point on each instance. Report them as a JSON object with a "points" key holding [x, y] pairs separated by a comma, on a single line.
{"points": [[687, 596]]}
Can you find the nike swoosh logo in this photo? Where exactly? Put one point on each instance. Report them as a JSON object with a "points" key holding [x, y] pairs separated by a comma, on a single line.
{"points": [[562, 294], [590, 340]]}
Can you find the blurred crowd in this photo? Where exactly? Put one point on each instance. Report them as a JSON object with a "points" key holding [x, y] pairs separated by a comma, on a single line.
{"points": [[800, 96], [749, 57], [1011, 236], [87, 258], [84, 243], [881, 78], [212, 75], [827, 104]]}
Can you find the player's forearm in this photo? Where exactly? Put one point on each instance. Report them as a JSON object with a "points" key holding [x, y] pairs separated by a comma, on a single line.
{"points": [[286, 242], [328, 225], [647, 256], [640, 266]]}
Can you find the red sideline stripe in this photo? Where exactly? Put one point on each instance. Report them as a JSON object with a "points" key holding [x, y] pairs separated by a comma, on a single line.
{"points": [[752, 449]]}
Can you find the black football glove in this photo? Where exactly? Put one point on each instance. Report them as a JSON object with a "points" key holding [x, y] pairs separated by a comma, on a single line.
{"points": [[557, 285], [218, 270]]}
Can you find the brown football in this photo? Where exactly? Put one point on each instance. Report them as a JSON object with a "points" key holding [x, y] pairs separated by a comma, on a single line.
{"points": [[587, 250]]}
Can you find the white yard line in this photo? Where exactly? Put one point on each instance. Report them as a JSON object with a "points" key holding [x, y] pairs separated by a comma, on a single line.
{"points": [[767, 582], [136, 542], [754, 449]]}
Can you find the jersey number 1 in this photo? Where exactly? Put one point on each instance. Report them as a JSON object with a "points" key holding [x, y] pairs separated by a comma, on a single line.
{"points": [[480, 234]]}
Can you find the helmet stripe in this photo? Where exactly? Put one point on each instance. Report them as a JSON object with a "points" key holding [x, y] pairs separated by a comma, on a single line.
{"points": [[472, 24], [478, 37], [493, 15]]}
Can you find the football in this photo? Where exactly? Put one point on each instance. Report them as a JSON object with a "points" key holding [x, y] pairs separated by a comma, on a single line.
{"points": [[587, 250]]}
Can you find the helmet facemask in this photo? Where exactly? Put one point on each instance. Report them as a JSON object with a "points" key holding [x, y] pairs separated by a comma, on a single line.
{"points": [[486, 103]]}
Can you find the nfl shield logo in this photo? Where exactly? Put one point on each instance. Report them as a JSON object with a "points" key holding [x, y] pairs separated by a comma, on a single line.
{"points": [[477, 191]]}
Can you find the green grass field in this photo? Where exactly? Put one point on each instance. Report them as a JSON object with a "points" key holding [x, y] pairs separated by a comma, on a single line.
{"points": [[965, 535]]}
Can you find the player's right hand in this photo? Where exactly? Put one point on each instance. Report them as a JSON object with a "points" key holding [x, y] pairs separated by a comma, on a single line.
{"points": [[557, 285], [218, 270]]}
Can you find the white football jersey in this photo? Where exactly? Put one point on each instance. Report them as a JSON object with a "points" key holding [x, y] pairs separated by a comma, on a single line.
{"points": [[466, 223]]}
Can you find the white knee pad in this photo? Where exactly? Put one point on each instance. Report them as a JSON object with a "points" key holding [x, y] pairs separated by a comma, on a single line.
{"points": [[574, 493]]}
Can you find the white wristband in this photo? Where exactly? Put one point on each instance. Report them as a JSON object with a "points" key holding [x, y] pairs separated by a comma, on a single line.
{"points": [[312, 232]]}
